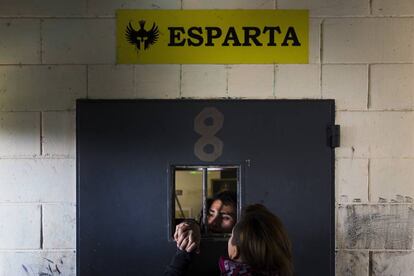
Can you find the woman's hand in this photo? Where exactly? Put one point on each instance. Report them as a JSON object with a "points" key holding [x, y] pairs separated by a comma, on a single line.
{"points": [[187, 235]]}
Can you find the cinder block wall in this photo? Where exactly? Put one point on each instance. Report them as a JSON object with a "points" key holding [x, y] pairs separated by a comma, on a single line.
{"points": [[53, 52]]}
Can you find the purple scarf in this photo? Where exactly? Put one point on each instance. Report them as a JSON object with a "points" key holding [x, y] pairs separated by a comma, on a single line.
{"points": [[232, 268]]}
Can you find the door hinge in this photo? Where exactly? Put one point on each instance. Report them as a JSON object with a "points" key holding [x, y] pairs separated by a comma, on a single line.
{"points": [[334, 132]]}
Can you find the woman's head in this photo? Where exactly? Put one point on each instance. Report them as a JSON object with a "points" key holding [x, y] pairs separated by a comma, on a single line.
{"points": [[260, 240], [222, 212]]}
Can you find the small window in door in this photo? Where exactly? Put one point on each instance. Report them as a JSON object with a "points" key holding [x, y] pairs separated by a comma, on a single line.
{"points": [[208, 195]]}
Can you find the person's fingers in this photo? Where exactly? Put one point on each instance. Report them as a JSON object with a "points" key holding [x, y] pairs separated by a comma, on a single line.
{"points": [[191, 242], [185, 227], [187, 236], [183, 230], [190, 237], [191, 247], [183, 244], [179, 229], [182, 237]]}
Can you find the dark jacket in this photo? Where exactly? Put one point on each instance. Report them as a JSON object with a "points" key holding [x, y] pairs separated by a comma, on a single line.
{"points": [[181, 261]]}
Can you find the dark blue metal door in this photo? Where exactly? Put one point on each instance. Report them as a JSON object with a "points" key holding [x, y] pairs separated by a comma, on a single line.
{"points": [[124, 152]]}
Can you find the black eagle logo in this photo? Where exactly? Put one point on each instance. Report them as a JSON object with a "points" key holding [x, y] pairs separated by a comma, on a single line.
{"points": [[142, 36]]}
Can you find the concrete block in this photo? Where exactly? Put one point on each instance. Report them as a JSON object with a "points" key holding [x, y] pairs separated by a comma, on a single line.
{"points": [[58, 137], [393, 263], [229, 4], [59, 226], [392, 86], [327, 7], [203, 81], [347, 84], [351, 179], [392, 180], [37, 180], [20, 40], [315, 40], [157, 81], [109, 7], [38, 263], [393, 7], [382, 226], [29, 88], [298, 81], [376, 134], [19, 133], [111, 82], [19, 226], [83, 41], [368, 40], [251, 81], [134, 81], [351, 263], [44, 8]]}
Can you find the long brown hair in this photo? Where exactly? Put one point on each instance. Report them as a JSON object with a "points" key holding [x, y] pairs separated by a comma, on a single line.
{"points": [[263, 242]]}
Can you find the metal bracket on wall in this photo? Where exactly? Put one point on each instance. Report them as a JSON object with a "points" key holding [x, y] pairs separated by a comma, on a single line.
{"points": [[334, 132]]}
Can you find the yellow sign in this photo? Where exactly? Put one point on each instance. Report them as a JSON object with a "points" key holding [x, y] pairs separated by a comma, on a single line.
{"points": [[212, 36]]}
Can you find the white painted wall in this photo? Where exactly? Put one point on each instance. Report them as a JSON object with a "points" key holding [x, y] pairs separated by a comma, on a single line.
{"points": [[53, 52]]}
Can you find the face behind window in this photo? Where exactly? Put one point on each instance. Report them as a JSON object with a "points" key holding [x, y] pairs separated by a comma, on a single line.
{"points": [[196, 188], [221, 218]]}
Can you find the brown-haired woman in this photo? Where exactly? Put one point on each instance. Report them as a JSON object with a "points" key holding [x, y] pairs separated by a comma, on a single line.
{"points": [[259, 245]]}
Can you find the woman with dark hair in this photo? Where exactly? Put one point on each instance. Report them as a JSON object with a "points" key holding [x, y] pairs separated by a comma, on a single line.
{"points": [[221, 212], [259, 246]]}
